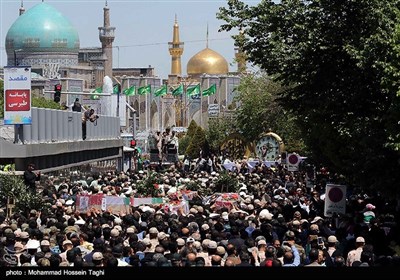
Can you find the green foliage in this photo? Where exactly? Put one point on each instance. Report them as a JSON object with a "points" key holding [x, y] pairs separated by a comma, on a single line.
{"points": [[196, 186], [13, 186], [41, 102], [192, 129], [149, 186], [218, 129], [260, 111], [183, 144], [197, 142], [339, 62], [226, 183]]}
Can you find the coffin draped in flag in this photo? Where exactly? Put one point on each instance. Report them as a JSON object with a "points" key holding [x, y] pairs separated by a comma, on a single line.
{"points": [[146, 200], [114, 204], [117, 204]]}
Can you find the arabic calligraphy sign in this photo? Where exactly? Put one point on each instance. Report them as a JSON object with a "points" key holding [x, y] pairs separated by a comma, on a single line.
{"points": [[17, 95], [17, 100], [235, 147]]}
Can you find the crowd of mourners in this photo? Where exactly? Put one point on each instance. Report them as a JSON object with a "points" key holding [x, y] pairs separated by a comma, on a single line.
{"points": [[277, 221]]}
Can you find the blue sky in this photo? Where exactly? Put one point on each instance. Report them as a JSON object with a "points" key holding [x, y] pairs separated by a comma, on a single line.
{"points": [[143, 28]]}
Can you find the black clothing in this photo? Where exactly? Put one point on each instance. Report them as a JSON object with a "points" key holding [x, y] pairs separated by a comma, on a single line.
{"points": [[85, 117], [77, 107], [30, 179]]}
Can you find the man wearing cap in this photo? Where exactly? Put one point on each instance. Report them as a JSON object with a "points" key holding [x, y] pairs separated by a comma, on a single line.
{"points": [[189, 248], [67, 245], [45, 246], [98, 246], [153, 236], [331, 252], [23, 237], [32, 246], [261, 248], [355, 255], [19, 249], [97, 259], [130, 235]]}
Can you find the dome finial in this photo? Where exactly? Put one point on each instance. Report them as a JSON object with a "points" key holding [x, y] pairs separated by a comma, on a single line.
{"points": [[176, 19], [106, 3], [207, 37], [22, 9]]}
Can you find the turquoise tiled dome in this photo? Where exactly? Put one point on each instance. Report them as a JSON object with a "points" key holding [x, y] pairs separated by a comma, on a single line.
{"points": [[42, 29]]}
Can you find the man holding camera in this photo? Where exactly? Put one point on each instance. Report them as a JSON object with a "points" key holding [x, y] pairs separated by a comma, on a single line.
{"points": [[88, 115]]}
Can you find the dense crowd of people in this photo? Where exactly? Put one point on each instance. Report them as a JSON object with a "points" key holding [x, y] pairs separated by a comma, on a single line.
{"points": [[276, 221]]}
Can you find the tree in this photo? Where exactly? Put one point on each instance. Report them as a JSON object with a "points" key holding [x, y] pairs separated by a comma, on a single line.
{"points": [[217, 131], [192, 129], [260, 111], [198, 143], [183, 144], [13, 186], [340, 63], [41, 102]]}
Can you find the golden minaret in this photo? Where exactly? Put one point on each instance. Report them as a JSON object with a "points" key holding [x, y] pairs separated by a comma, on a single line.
{"points": [[240, 56], [176, 50]]}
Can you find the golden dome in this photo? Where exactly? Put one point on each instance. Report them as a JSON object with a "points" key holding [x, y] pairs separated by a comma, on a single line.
{"points": [[207, 61]]}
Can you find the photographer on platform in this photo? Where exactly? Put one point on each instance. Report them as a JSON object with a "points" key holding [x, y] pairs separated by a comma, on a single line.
{"points": [[88, 115]]}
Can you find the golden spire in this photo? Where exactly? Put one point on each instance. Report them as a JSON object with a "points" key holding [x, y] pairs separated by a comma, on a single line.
{"points": [[240, 55], [207, 37], [176, 50]]}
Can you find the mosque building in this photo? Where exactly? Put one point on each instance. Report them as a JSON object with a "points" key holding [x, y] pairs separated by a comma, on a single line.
{"points": [[47, 41]]}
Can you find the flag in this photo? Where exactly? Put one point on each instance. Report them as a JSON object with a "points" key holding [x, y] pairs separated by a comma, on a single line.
{"points": [[178, 90], [210, 91], [144, 90], [117, 204], [130, 91], [193, 90], [116, 89], [98, 90], [161, 91]]}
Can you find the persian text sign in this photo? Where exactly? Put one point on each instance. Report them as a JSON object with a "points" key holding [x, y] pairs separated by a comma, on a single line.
{"points": [[213, 110], [335, 200], [17, 95]]}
